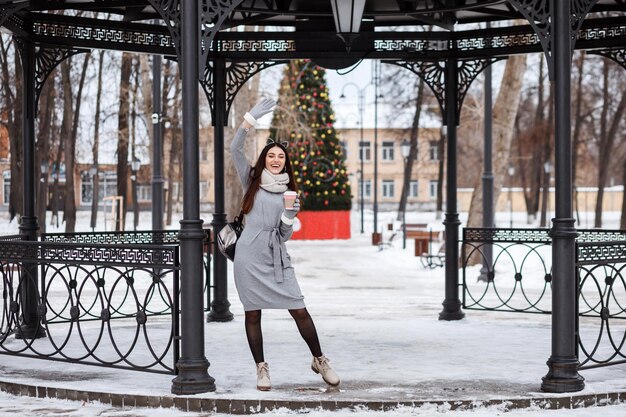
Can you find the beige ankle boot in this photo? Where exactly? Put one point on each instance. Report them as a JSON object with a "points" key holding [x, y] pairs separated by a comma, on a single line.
{"points": [[321, 366], [263, 382]]}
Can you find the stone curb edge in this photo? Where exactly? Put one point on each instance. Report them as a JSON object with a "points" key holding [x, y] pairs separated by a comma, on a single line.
{"points": [[232, 406]]}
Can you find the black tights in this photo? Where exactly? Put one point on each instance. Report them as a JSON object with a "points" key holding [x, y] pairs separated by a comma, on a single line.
{"points": [[303, 321]]}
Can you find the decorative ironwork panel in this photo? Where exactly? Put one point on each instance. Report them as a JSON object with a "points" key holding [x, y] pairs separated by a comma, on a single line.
{"points": [[601, 252], [135, 237], [580, 9], [515, 276], [127, 255], [601, 321], [490, 235], [598, 235], [213, 13], [75, 293], [170, 12], [46, 59], [7, 12], [256, 45], [616, 55], [17, 237], [116, 37], [433, 74], [537, 12], [237, 74]]}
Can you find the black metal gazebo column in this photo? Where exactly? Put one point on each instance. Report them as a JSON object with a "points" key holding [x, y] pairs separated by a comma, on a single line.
{"points": [[563, 363], [193, 376], [29, 327], [451, 303], [157, 146], [220, 306]]}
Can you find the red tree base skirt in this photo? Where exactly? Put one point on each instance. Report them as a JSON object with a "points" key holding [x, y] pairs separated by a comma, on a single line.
{"points": [[323, 225]]}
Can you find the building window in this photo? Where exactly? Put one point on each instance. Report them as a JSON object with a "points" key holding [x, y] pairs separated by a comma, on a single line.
{"points": [[433, 151], [388, 151], [432, 188], [388, 188], [144, 192], [365, 151], [6, 190], [86, 188], [413, 188], [367, 188], [204, 190], [108, 185], [344, 148]]}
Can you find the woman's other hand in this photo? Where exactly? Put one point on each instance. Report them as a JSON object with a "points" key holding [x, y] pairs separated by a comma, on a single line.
{"points": [[262, 108]]}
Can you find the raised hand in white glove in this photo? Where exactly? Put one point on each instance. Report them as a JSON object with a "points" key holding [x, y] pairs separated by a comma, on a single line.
{"points": [[292, 212], [262, 108]]}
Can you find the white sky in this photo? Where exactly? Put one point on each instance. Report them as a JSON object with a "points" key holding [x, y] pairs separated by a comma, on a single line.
{"points": [[376, 313]]}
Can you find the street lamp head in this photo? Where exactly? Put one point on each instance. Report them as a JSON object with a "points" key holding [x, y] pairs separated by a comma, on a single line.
{"points": [[405, 148], [547, 167], [44, 166], [135, 164], [511, 170], [348, 15]]}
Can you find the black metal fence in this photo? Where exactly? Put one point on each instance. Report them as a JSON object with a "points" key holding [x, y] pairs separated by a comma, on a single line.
{"points": [[82, 287], [511, 270], [146, 237], [601, 327]]}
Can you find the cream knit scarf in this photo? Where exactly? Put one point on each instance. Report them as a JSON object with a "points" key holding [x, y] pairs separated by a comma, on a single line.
{"points": [[274, 183]]}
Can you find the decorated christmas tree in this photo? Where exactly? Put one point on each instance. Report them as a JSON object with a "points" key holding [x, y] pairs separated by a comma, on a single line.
{"points": [[304, 118]]}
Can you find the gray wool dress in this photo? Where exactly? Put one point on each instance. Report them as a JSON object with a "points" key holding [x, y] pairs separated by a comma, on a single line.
{"points": [[264, 276]]}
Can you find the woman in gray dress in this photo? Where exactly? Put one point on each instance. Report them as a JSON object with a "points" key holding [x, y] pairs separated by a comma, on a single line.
{"points": [[264, 276]]}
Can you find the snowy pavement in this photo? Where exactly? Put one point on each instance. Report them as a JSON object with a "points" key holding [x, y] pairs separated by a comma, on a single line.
{"points": [[377, 316]]}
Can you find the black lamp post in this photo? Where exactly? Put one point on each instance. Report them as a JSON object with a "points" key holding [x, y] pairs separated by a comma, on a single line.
{"points": [[348, 15], [93, 173], [361, 100], [405, 149], [511, 173], [43, 167], [134, 167]]}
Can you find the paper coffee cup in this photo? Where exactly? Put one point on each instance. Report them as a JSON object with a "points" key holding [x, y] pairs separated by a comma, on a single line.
{"points": [[289, 198]]}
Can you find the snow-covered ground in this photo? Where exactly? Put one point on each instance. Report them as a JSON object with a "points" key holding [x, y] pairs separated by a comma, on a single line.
{"points": [[377, 316]]}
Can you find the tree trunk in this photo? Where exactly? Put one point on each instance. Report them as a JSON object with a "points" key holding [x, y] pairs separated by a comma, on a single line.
{"points": [[123, 137], [96, 146], [622, 223], [13, 111], [608, 131], [577, 127], [175, 149], [70, 156], [441, 173], [42, 153], [66, 135], [408, 168], [504, 114]]}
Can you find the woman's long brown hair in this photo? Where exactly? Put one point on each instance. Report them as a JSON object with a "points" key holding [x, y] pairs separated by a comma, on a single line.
{"points": [[254, 180]]}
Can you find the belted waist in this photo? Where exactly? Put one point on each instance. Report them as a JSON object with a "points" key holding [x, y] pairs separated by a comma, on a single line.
{"points": [[279, 256]]}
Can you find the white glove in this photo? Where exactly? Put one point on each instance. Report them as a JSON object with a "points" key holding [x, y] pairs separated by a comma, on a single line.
{"points": [[262, 108]]}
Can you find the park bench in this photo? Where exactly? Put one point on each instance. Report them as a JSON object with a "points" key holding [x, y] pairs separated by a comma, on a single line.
{"points": [[424, 238]]}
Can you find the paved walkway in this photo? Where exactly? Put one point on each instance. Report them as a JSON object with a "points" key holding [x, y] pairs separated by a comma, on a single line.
{"points": [[376, 313]]}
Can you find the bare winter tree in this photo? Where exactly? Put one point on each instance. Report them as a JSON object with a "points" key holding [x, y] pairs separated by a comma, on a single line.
{"points": [[610, 120], [123, 132], [69, 212], [504, 112], [95, 149], [12, 108], [45, 128]]}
